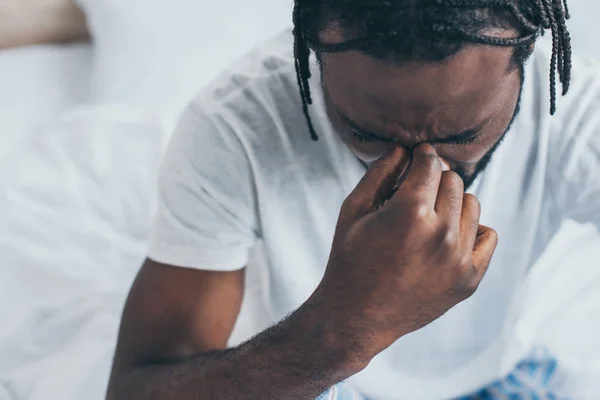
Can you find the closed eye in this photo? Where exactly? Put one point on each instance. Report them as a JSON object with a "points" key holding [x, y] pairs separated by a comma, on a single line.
{"points": [[363, 138], [466, 141], [369, 139]]}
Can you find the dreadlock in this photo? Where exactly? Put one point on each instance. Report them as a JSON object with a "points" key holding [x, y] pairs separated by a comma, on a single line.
{"points": [[430, 30]]}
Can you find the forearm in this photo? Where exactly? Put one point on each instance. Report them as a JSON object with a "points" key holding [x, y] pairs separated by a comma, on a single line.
{"points": [[297, 359]]}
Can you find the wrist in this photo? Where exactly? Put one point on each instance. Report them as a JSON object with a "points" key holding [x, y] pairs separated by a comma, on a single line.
{"points": [[345, 346]]}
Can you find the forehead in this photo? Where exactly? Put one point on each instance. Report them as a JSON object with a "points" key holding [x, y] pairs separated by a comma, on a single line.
{"points": [[467, 89]]}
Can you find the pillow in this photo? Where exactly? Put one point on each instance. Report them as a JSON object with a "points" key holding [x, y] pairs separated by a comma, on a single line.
{"points": [[27, 22], [158, 53]]}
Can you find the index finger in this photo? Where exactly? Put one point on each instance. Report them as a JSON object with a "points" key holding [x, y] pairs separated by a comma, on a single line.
{"points": [[422, 180], [378, 184]]}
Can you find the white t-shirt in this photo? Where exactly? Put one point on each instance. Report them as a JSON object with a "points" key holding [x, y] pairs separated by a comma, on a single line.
{"points": [[244, 185]]}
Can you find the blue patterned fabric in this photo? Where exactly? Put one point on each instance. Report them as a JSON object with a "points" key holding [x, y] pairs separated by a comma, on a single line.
{"points": [[532, 379], [341, 391]]}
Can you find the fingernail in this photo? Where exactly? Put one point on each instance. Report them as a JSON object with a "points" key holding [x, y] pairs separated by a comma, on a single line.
{"points": [[445, 165]]}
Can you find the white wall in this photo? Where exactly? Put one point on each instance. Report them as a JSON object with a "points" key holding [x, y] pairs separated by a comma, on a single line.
{"points": [[584, 26]]}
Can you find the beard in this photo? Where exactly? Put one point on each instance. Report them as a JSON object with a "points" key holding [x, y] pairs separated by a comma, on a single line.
{"points": [[469, 178]]}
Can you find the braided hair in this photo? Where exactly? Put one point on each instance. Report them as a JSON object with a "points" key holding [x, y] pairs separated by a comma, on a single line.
{"points": [[429, 30]]}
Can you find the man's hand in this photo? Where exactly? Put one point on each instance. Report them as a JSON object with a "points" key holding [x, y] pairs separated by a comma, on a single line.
{"points": [[407, 248]]}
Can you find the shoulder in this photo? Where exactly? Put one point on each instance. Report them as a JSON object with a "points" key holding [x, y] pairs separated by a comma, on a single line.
{"points": [[584, 88], [577, 112], [570, 139], [258, 88], [256, 104]]}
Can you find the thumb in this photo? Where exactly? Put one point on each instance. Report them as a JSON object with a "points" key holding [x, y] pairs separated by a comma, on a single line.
{"points": [[379, 183]]}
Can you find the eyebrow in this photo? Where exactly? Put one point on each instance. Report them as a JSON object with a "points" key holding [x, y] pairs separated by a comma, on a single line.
{"points": [[464, 135]]}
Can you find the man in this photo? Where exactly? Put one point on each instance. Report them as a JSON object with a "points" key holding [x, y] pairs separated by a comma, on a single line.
{"points": [[364, 238]]}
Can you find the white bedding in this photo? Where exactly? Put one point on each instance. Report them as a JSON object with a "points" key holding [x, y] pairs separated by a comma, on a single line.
{"points": [[76, 199], [74, 212], [36, 83]]}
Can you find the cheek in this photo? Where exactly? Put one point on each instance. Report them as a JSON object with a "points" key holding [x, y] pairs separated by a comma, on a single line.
{"points": [[368, 152]]}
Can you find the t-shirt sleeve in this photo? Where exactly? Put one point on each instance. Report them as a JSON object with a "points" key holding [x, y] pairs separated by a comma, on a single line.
{"points": [[206, 217], [575, 158]]}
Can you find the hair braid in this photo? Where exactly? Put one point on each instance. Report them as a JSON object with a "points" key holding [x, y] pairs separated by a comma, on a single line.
{"points": [[565, 45], [548, 4], [566, 6], [301, 61]]}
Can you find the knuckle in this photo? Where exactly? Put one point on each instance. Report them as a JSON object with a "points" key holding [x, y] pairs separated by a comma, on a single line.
{"points": [[469, 290], [466, 288], [471, 281], [472, 285], [421, 213], [465, 265], [465, 277], [447, 239], [450, 240]]}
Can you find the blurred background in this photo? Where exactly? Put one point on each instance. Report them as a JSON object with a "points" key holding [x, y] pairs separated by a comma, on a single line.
{"points": [[90, 91]]}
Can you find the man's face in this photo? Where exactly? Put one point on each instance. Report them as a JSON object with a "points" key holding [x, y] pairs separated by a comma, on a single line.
{"points": [[463, 106]]}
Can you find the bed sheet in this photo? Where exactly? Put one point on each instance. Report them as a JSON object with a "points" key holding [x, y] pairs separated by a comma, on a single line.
{"points": [[36, 83], [75, 211]]}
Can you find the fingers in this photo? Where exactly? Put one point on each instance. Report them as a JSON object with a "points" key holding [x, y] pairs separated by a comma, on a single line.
{"points": [[478, 242], [469, 221], [423, 179], [485, 244], [449, 202], [379, 182]]}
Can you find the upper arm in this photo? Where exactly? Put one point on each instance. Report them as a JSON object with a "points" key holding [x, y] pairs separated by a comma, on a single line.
{"points": [[187, 295], [207, 208], [175, 313]]}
